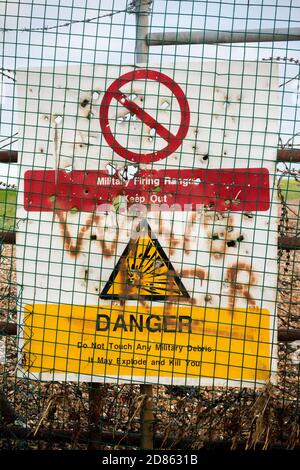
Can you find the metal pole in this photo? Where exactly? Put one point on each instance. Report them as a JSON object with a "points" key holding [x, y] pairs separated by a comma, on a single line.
{"points": [[142, 55], [8, 156], [141, 14], [288, 155], [216, 37], [283, 155]]}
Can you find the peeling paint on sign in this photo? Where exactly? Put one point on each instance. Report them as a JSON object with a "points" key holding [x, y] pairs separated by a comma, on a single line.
{"points": [[159, 268]]}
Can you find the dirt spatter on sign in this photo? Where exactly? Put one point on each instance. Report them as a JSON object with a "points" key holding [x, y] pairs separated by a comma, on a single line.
{"points": [[108, 248], [170, 312], [125, 285], [263, 369], [174, 241], [223, 236], [194, 272], [169, 304], [160, 224], [173, 303], [73, 246], [84, 103], [70, 245], [207, 298], [173, 244], [192, 218], [240, 289], [211, 217], [231, 331], [144, 304]]}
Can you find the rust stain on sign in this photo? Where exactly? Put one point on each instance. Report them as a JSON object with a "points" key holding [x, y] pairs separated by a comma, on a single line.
{"points": [[202, 327], [237, 288], [74, 247], [177, 241], [174, 244], [192, 218], [221, 233], [198, 272], [108, 247], [74, 244]]}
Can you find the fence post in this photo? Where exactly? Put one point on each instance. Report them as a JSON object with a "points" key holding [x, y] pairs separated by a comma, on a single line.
{"points": [[147, 418], [97, 392], [142, 55]]}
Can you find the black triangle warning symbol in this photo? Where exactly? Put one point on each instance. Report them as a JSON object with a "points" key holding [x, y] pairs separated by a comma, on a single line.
{"points": [[144, 272]]}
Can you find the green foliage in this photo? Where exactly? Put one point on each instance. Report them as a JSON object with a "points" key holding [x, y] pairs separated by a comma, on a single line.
{"points": [[290, 188], [8, 204]]}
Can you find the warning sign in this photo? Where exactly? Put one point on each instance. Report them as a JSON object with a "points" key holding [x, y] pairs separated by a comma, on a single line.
{"points": [[110, 342], [147, 234], [165, 190], [144, 272], [173, 140]]}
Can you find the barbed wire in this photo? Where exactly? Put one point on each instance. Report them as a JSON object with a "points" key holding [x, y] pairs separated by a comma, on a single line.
{"points": [[130, 8], [292, 60], [10, 141], [8, 185], [287, 60], [4, 73]]}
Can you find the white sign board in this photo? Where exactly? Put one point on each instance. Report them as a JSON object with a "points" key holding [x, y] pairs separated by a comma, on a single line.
{"points": [[147, 245]]}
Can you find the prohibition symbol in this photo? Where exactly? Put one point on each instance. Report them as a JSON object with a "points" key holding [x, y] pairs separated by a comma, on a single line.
{"points": [[173, 140], [144, 272]]}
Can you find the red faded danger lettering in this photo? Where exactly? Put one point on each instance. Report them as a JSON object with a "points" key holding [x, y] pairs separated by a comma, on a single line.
{"points": [[173, 140], [243, 189]]}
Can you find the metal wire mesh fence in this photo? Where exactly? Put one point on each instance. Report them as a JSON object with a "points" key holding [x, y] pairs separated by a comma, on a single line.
{"points": [[149, 224]]}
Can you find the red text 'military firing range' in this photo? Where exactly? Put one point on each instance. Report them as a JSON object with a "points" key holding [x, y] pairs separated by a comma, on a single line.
{"points": [[242, 189]]}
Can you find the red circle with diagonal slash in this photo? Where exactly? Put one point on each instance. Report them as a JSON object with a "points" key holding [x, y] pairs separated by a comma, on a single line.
{"points": [[173, 140]]}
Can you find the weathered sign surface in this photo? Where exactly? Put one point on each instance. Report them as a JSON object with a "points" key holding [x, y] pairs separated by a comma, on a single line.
{"points": [[147, 237]]}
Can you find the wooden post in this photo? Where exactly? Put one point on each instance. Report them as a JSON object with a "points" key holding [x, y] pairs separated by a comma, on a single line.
{"points": [[7, 412], [147, 419], [8, 156], [97, 393]]}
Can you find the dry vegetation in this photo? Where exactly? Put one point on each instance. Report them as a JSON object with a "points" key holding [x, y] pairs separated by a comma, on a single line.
{"points": [[183, 416]]}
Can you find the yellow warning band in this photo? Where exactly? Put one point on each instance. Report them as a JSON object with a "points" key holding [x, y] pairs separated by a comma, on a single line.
{"points": [[187, 342]]}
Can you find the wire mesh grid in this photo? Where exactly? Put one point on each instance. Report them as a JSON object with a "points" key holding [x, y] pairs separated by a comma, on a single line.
{"points": [[139, 325]]}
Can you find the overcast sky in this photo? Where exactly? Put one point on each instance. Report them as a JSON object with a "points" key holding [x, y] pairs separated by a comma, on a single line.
{"points": [[112, 39]]}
